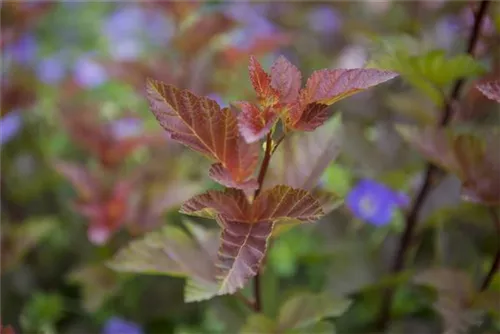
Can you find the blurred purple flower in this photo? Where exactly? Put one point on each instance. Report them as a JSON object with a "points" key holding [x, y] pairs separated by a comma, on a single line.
{"points": [[89, 73], [374, 202], [254, 24], [217, 98], [128, 28], [51, 70], [126, 127], [116, 325], [23, 51], [324, 19], [10, 125], [446, 31]]}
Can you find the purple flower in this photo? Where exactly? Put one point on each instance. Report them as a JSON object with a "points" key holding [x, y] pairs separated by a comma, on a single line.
{"points": [[10, 125], [128, 28], [51, 70], [117, 325], [126, 127], [89, 73], [374, 202], [324, 19], [24, 50]]}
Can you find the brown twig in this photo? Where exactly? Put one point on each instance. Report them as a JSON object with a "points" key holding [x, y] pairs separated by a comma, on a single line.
{"points": [[245, 300], [411, 218], [260, 179], [495, 265]]}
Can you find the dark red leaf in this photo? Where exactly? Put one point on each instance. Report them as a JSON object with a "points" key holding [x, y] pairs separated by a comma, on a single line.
{"points": [[253, 123], [81, 179], [247, 226], [199, 123], [221, 175], [261, 82], [286, 79]]}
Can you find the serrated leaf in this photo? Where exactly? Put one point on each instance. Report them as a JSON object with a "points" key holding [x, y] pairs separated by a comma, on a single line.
{"points": [[247, 226], [258, 323], [307, 309], [261, 82], [199, 123], [221, 175], [253, 123], [286, 79], [170, 251], [243, 246], [325, 87], [490, 89], [303, 157]]}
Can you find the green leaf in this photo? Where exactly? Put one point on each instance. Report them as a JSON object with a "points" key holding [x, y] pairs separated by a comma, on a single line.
{"points": [[171, 251], [258, 323], [307, 309], [430, 72], [42, 313]]}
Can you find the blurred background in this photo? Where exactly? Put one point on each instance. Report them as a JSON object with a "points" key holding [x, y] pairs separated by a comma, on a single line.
{"points": [[85, 167]]}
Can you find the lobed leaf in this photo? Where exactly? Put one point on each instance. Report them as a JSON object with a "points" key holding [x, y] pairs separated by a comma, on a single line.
{"points": [[261, 82], [199, 123], [253, 123], [246, 226], [490, 89], [221, 175]]}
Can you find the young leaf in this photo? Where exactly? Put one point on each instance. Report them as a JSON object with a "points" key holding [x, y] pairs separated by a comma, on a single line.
{"points": [[326, 87], [329, 86], [491, 90], [286, 79], [307, 309], [247, 226], [198, 122], [261, 82], [170, 251], [253, 123]]}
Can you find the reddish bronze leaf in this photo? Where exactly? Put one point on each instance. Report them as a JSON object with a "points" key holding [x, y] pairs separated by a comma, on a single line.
{"points": [[329, 86], [326, 87], [282, 203], [247, 226], [232, 204], [199, 123], [311, 117], [490, 89], [242, 249], [286, 79], [253, 123], [221, 175], [261, 82]]}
